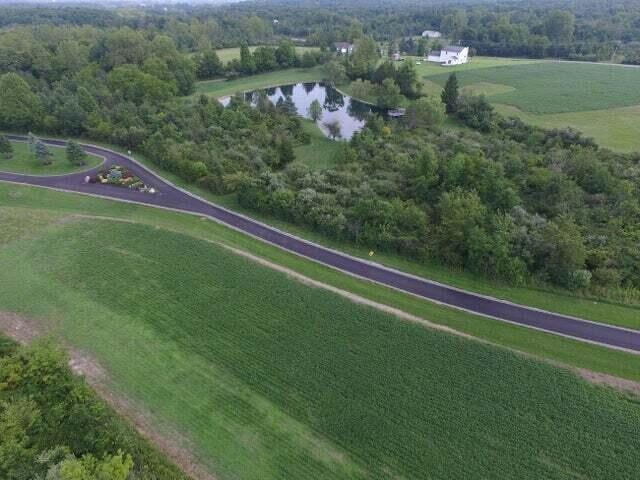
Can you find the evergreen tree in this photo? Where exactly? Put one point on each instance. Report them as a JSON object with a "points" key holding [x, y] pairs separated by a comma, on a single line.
{"points": [[75, 154], [450, 94], [6, 149], [42, 153]]}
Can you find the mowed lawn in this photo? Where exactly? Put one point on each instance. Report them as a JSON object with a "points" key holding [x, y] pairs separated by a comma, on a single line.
{"points": [[320, 152], [553, 87], [600, 100], [221, 88], [23, 161], [269, 379], [228, 54]]}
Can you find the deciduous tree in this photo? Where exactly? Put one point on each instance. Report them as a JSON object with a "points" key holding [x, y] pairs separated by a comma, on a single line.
{"points": [[315, 111]]}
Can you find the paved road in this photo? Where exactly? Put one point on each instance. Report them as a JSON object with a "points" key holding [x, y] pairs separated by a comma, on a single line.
{"points": [[170, 196]]}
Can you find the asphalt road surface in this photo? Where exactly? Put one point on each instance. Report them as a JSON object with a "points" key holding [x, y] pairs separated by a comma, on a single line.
{"points": [[170, 196]]}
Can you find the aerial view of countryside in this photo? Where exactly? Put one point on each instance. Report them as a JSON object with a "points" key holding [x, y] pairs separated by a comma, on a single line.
{"points": [[319, 240]]}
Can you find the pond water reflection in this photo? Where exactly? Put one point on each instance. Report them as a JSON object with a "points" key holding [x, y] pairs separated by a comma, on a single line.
{"points": [[351, 114]]}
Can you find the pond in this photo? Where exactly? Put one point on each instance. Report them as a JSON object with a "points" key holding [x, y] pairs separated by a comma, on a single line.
{"points": [[351, 114]]}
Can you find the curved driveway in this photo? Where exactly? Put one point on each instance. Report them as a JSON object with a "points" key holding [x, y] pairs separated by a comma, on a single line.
{"points": [[172, 197]]}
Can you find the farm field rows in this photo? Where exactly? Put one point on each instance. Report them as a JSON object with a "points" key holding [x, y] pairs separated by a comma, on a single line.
{"points": [[269, 378], [35, 204], [598, 99], [23, 161]]}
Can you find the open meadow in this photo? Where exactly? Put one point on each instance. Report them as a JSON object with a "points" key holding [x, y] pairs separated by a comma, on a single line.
{"points": [[221, 88], [228, 54], [598, 99], [265, 377]]}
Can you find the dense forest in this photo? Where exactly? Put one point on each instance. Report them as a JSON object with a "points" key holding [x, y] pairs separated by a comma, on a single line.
{"points": [[589, 30], [55, 427], [494, 196]]}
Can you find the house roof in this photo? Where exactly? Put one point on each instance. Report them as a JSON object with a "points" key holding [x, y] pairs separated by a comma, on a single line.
{"points": [[435, 53], [454, 49], [343, 45]]}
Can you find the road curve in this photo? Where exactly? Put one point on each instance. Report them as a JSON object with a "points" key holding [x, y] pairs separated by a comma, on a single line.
{"points": [[172, 197]]}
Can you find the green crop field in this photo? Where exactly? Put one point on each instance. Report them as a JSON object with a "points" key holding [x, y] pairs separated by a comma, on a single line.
{"points": [[221, 88], [23, 161], [599, 100], [551, 87], [228, 54], [268, 378]]}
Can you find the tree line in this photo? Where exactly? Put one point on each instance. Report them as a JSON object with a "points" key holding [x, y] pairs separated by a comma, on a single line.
{"points": [[502, 199], [55, 427], [263, 59]]}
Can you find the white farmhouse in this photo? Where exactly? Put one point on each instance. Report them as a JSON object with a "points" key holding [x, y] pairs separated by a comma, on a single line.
{"points": [[344, 48], [431, 34], [450, 55]]}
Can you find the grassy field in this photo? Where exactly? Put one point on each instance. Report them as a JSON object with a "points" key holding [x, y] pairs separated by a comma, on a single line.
{"points": [[46, 206], [23, 161], [537, 296], [321, 152], [552, 87], [540, 296], [221, 88], [228, 54], [601, 101], [616, 128], [268, 378], [428, 69]]}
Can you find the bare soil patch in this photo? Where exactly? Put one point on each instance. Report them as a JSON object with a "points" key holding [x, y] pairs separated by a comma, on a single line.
{"points": [[617, 383]]}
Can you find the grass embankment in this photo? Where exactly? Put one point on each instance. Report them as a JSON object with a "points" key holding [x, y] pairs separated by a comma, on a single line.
{"points": [[227, 54], [539, 296], [221, 88], [270, 378], [321, 152], [54, 204], [23, 161], [601, 101]]}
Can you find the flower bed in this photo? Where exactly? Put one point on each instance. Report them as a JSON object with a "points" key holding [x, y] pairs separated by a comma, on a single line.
{"points": [[121, 177]]}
